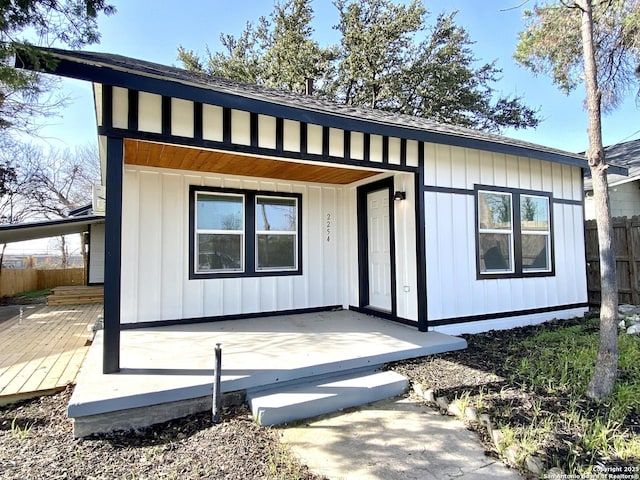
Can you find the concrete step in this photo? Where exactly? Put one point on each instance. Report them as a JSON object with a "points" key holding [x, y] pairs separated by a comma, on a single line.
{"points": [[286, 404]]}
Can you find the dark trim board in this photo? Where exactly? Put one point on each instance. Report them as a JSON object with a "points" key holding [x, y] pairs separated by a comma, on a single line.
{"points": [[498, 315], [456, 191], [227, 146], [466, 191], [385, 315], [363, 241], [113, 256], [421, 248], [104, 72], [563, 201], [223, 318]]}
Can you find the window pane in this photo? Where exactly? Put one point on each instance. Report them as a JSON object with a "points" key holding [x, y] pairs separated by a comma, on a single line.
{"points": [[219, 252], [534, 252], [495, 252], [494, 211], [276, 214], [534, 213], [219, 212], [276, 251]]}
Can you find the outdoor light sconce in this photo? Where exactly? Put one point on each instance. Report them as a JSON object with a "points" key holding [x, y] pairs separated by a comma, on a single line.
{"points": [[399, 196]]}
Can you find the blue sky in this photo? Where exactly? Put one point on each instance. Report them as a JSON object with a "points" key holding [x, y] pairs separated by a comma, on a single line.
{"points": [[152, 30]]}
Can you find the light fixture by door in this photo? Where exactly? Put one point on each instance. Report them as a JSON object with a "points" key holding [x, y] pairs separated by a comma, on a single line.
{"points": [[399, 196]]}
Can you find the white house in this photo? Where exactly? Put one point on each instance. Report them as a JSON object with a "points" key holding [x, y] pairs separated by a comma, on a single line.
{"points": [[226, 201], [624, 190]]}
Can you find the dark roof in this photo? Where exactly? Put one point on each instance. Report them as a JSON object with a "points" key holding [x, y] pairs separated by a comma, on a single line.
{"points": [[83, 210], [142, 75], [46, 229], [626, 155]]}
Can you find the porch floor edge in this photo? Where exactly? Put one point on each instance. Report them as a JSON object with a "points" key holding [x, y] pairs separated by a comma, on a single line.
{"points": [[162, 365]]}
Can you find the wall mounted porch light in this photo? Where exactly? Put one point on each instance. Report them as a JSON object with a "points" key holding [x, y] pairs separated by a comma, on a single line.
{"points": [[399, 196]]}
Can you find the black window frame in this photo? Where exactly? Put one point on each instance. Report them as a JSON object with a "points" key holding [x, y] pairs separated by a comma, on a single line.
{"points": [[518, 270], [249, 246]]}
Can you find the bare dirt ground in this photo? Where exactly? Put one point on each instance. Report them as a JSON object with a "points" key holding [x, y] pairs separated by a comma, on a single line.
{"points": [[36, 443], [36, 437]]}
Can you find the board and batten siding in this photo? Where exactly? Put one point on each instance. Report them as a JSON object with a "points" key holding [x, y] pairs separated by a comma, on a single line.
{"points": [[453, 291], [155, 253], [96, 254], [405, 246]]}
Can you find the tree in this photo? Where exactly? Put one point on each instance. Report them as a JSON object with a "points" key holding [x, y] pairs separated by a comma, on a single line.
{"points": [[60, 181], [47, 185], [280, 54], [14, 204], [598, 42], [382, 65], [376, 47], [7, 177], [387, 59], [444, 84], [70, 22]]}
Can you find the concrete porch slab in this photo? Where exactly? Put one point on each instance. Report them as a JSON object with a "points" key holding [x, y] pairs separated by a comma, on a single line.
{"points": [[161, 365]]}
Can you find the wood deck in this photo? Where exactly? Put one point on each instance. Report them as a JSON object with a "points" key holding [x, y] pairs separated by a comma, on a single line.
{"points": [[42, 351]]}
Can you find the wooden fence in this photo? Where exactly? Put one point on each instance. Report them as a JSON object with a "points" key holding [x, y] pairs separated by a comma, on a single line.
{"points": [[20, 280], [626, 234]]}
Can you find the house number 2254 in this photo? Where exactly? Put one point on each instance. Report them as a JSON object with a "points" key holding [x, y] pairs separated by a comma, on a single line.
{"points": [[328, 227]]}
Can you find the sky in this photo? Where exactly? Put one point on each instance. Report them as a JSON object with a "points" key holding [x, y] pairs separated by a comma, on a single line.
{"points": [[152, 30]]}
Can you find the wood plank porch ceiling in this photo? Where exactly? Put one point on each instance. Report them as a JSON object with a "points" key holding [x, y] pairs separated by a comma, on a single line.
{"points": [[140, 152]]}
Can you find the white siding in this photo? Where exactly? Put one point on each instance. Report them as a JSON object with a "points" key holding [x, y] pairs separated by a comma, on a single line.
{"points": [[452, 288], [266, 131], [456, 167], [624, 198], [155, 283], [394, 151], [97, 98], [314, 139], [357, 145], [149, 112], [291, 140], [412, 153], [375, 148], [336, 142], [405, 241], [96, 254], [212, 123], [120, 114], [240, 127], [181, 117]]}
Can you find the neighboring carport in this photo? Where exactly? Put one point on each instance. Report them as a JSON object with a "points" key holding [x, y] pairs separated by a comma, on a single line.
{"points": [[93, 224], [49, 228]]}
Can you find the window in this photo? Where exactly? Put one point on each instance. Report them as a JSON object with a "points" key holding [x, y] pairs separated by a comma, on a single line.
{"points": [[236, 233], [513, 232], [536, 233], [220, 232], [495, 232], [276, 233]]}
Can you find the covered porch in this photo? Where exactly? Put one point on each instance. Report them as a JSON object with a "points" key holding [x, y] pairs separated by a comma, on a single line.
{"points": [[167, 372]]}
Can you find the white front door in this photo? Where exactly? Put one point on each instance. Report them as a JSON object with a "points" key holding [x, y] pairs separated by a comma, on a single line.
{"points": [[379, 249]]}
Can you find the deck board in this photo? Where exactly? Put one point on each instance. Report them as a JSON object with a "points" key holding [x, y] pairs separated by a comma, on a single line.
{"points": [[43, 350]]}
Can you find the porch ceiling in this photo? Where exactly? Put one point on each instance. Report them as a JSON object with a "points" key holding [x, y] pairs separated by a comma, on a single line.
{"points": [[140, 152]]}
